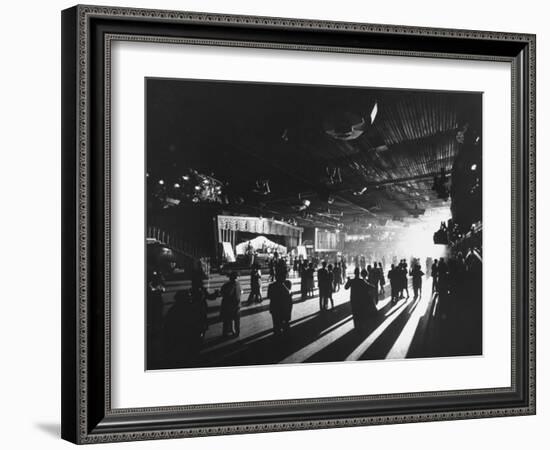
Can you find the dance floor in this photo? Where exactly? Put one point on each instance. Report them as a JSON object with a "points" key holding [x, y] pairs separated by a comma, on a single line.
{"points": [[406, 329]]}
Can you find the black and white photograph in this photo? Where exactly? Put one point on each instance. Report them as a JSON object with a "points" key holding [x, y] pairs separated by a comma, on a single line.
{"points": [[295, 223], [280, 220]]}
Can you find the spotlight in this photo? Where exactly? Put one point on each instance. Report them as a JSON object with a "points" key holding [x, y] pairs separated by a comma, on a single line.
{"points": [[161, 182], [306, 203], [177, 185], [474, 167], [373, 113], [345, 126]]}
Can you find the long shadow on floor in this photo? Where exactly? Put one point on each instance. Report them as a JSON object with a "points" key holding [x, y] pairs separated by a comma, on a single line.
{"points": [[272, 349], [341, 348], [257, 308], [456, 332], [223, 345], [381, 347]]}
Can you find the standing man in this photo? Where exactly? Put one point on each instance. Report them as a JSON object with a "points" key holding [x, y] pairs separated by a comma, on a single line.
{"points": [[280, 266], [357, 288], [344, 271], [324, 286], [375, 280], [404, 281], [417, 274], [255, 285], [231, 306], [280, 305], [337, 277], [302, 271], [330, 286], [393, 276], [382, 279], [361, 300], [428, 266]]}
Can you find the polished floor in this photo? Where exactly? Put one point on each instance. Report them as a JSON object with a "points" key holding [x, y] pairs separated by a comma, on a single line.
{"points": [[410, 328]]}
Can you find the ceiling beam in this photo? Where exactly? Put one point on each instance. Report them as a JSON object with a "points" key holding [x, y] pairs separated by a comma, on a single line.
{"points": [[433, 139]]}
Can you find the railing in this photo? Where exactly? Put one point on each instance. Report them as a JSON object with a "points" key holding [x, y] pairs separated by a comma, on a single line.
{"points": [[175, 242], [181, 246]]}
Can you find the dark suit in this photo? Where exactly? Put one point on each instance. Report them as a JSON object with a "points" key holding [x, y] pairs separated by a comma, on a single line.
{"points": [[362, 302], [324, 287], [230, 307], [280, 305]]}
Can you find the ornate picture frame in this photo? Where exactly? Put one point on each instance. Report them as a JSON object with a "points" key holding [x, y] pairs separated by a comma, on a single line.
{"points": [[88, 33]]}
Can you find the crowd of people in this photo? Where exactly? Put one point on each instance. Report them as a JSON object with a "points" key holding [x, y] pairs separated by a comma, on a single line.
{"points": [[186, 321], [399, 281], [330, 278], [458, 276]]}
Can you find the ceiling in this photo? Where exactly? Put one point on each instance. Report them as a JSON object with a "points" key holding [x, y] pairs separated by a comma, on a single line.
{"points": [[245, 132]]}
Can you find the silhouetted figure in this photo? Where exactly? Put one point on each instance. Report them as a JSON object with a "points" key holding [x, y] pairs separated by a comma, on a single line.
{"points": [[337, 277], [429, 262], [201, 294], [255, 285], [374, 279], [394, 277], [382, 279], [417, 274], [370, 273], [404, 285], [310, 281], [272, 265], [280, 305], [361, 300], [324, 285], [443, 276], [281, 267], [155, 289], [330, 286], [364, 274], [357, 293], [344, 272], [443, 286], [303, 279], [230, 306], [435, 275], [185, 325]]}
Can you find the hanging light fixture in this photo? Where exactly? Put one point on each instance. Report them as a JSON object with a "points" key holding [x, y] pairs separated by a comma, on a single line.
{"points": [[262, 187], [345, 126]]}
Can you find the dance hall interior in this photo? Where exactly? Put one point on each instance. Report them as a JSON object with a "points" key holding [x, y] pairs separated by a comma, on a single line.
{"points": [[311, 224]]}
